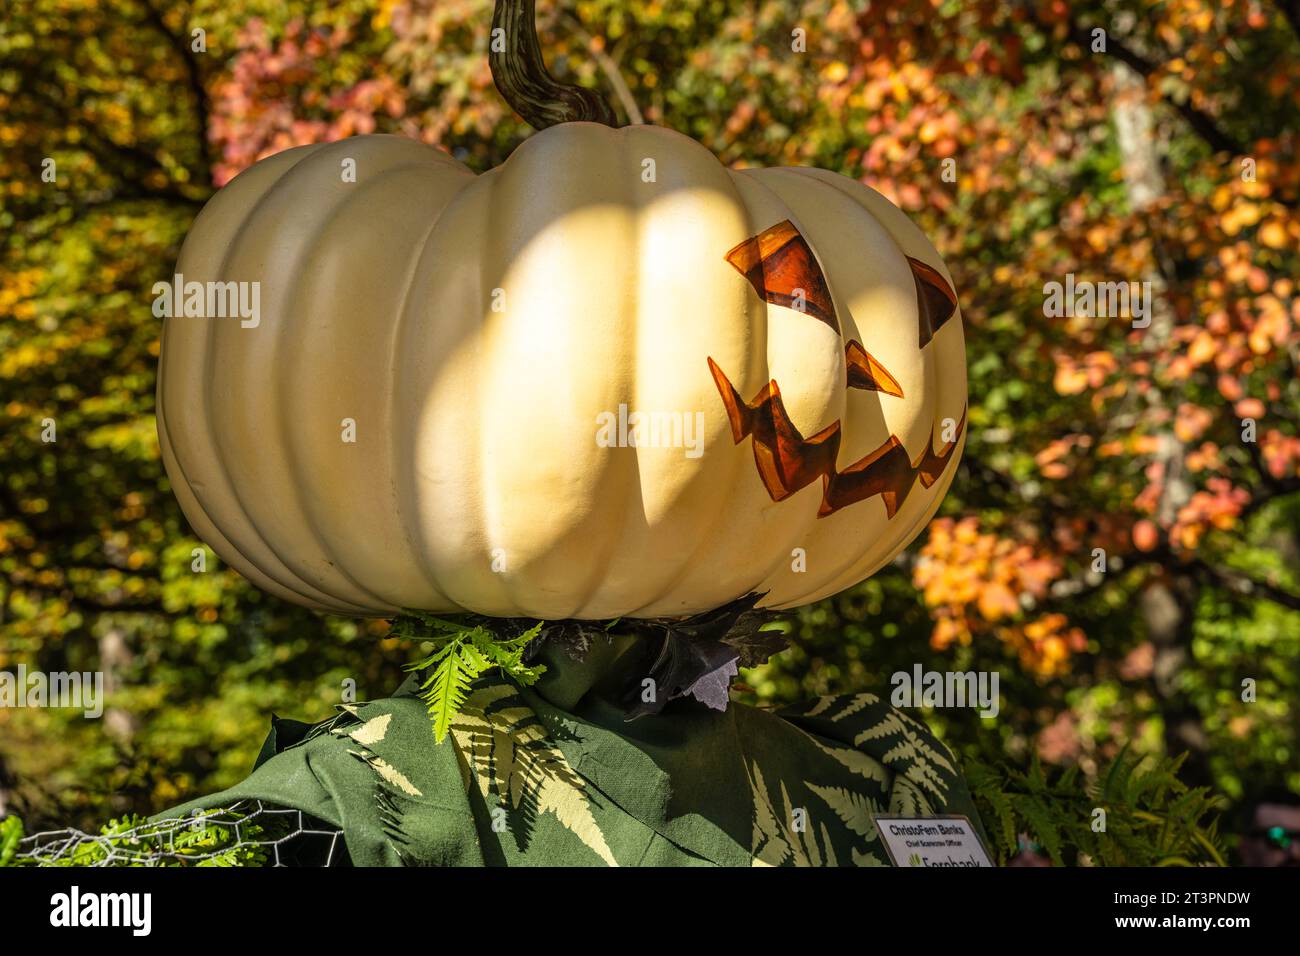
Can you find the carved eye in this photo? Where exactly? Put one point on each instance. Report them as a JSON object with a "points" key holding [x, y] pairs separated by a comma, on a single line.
{"points": [[782, 268], [780, 265], [936, 302]]}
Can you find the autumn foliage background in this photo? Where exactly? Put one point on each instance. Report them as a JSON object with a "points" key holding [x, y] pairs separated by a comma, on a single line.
{"points": [[1170, 157]]}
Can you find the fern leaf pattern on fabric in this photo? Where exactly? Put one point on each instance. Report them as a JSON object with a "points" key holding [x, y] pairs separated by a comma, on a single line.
{"points": [[855, 810], [894, 764], [521, 780], [778, 839], [508, 755]]}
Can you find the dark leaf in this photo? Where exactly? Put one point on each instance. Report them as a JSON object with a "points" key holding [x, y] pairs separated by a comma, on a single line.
{"points": [[737, 625], [684, 667], [575, 637]]}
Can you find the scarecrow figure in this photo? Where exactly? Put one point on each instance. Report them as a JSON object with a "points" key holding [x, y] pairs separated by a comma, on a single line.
{"points": [[412, 425], [557, 773]]}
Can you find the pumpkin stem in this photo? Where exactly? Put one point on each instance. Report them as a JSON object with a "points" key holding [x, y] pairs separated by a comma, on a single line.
{"points": [[521, 77]]}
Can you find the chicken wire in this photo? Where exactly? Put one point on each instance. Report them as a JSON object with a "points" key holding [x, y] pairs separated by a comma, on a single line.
{"points": [[249, 833]]}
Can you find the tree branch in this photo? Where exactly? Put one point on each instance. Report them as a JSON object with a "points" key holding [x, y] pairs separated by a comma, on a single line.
{"points": [[1291, 12], [1201, 122], [610, 69], [1247, 586], [194, 76], [131, 165]]}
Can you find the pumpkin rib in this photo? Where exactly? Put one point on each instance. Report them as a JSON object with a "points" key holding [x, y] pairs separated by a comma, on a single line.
{"points": [[767, 578], [242, 353], [596, 577], [863, 565], [276, 463], [487, 522], [295, 321], [399, 464], [209, 351], [713, 550], [337, 547], [623, 471], [663, 596], [278, 572], [905, 232], [416, 391]]}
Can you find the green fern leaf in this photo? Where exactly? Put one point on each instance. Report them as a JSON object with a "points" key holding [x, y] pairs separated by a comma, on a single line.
{"points": [[11, 834], [444, 691], [462, 652], [1043, 824], [508, 654]]}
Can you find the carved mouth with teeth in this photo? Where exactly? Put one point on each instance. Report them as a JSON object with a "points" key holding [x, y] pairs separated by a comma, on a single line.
{"points": [[781, 267]]}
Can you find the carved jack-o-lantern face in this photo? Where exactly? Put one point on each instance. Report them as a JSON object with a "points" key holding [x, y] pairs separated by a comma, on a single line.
{"points": [[414, 421], [783, 270]]}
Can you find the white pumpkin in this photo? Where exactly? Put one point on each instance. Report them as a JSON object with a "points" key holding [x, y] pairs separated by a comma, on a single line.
{"points": [[481, 332]]}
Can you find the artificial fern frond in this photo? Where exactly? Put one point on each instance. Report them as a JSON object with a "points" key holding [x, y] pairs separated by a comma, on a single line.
{"points": [[986, 782], [421, 625], [509, 655], [462, 653], [444, 691]]}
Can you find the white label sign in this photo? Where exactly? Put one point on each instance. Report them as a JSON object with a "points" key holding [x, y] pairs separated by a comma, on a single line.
{"points": [[931, 841]]}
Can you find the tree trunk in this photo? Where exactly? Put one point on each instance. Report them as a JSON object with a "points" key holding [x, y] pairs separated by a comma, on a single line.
{"points": [[114, 657], [1168, 604]]}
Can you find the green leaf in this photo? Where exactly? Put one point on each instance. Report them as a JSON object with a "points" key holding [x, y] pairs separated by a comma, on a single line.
{"points": [[446, 689], [1152, 817], [11, 832], [462, 652]]}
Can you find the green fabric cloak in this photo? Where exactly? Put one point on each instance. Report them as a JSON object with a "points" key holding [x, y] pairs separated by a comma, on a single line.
{"points": [[555, 775]]}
